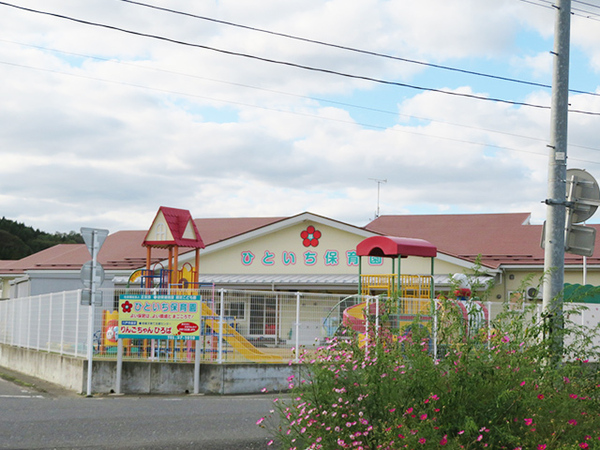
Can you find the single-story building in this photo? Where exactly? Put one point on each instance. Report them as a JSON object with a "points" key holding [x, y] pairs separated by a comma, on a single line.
{"points": [[309, 252]]}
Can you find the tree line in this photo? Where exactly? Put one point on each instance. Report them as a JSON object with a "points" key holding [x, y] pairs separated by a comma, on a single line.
{"points": [[18, 240]]}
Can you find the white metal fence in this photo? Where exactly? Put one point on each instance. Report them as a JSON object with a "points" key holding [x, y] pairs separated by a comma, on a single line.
{"points": [[51, 322], [256, 326]]}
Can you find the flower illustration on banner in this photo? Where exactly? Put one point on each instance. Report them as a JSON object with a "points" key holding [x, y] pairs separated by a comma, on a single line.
{"points": [[126, 307], [310, 237]]}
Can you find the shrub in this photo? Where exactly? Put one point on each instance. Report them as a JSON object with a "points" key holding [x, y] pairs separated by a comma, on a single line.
{"points": [[499, 388]]}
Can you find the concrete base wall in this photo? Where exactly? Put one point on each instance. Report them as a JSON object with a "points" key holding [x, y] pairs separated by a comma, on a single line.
{"points": [[147, 377], [63, 370]]}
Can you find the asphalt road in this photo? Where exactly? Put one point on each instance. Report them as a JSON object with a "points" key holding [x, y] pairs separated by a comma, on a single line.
{"points": [[40, 416]]}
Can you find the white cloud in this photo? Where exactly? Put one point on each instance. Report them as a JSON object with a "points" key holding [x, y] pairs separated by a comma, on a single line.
{"points": [[105, 142]]}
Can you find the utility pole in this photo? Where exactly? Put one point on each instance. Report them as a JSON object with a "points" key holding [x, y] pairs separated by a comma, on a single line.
{"points": [[554, 240], [378, 181]]}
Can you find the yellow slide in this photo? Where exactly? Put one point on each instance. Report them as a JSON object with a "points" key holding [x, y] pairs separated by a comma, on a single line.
{"points": [[237, 341], [354, 317]]}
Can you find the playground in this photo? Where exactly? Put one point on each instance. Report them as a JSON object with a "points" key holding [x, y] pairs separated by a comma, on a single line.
{"points": [[219, 338], [288, 321]]}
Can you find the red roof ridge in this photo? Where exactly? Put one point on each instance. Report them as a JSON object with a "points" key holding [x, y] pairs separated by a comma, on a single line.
{"points": [[182, 230]]}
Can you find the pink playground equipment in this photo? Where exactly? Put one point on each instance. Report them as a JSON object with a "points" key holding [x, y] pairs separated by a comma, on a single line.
{"points": [[414, 292]]}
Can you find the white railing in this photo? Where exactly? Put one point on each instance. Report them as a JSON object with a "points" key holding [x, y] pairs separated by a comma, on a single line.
{"points": [[257, 326]]}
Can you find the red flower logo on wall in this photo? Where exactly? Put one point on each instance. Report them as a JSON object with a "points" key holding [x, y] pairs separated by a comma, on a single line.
{"points": [[126, 307], [310, 237]]}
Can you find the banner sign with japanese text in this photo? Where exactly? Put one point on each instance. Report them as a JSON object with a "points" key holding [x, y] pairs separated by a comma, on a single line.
{"points": [[159, 317]]}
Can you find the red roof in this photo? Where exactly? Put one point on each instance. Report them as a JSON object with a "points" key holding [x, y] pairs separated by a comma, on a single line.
{"points": [[215, 230], [178, 221], [506, 239], [123, 250], [391, 246], [500, 239]]}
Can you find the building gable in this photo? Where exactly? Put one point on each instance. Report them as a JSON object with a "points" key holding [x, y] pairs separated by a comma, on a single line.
{"points": [[173, 227]]}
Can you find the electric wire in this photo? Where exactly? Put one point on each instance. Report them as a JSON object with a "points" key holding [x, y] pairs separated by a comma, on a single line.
{"points": [[353, 49], [247, 86], [295, 65], [312, 98], [314, 116], [586, 4], [579, 12]]}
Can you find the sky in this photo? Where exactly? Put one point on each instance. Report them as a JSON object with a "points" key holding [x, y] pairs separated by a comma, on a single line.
{"points": [[230, 108]]}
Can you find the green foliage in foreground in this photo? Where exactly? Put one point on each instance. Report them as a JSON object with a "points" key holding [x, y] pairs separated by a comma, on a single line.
{"points": [[499, 388]]}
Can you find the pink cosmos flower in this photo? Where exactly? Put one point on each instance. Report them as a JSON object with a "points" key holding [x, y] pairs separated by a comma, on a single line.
{"points": [[541, 447], [528, 422], [572, 422]]}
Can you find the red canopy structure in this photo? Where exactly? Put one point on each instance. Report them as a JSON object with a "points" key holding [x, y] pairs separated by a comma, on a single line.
{"points": [[173, 228], [395, 247]]}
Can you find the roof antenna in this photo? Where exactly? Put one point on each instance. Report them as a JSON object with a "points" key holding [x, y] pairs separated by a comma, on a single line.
{"points": [[378, 181]]}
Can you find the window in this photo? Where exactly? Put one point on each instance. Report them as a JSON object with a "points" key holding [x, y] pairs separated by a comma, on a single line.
{"points": [[263, 315], [232, 309]]}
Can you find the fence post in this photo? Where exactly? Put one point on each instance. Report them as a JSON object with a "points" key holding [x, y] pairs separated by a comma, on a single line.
{"points": [[119, 366], [376, 318], [297, 357], [39, 323], [221, 318], [62, 323], [367, 324], [435, 328], [90, 347], [29, 322], [50, 321], [277, 320], [197, 366], [14, 313], [489, 324], [77, 308], [4, 313]]}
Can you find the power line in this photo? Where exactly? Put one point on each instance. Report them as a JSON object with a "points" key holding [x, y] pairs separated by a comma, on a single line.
{"points": [[574, 11], [404, 131], [318, 99], [586, 4], [291, 64], [353, 49]]}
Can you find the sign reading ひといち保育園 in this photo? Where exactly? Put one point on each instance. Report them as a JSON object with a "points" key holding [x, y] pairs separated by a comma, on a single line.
{"points": [[159, 317]]}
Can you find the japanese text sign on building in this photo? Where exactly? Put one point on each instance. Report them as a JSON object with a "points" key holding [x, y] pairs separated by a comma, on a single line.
{"points": [[159, 317]]}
